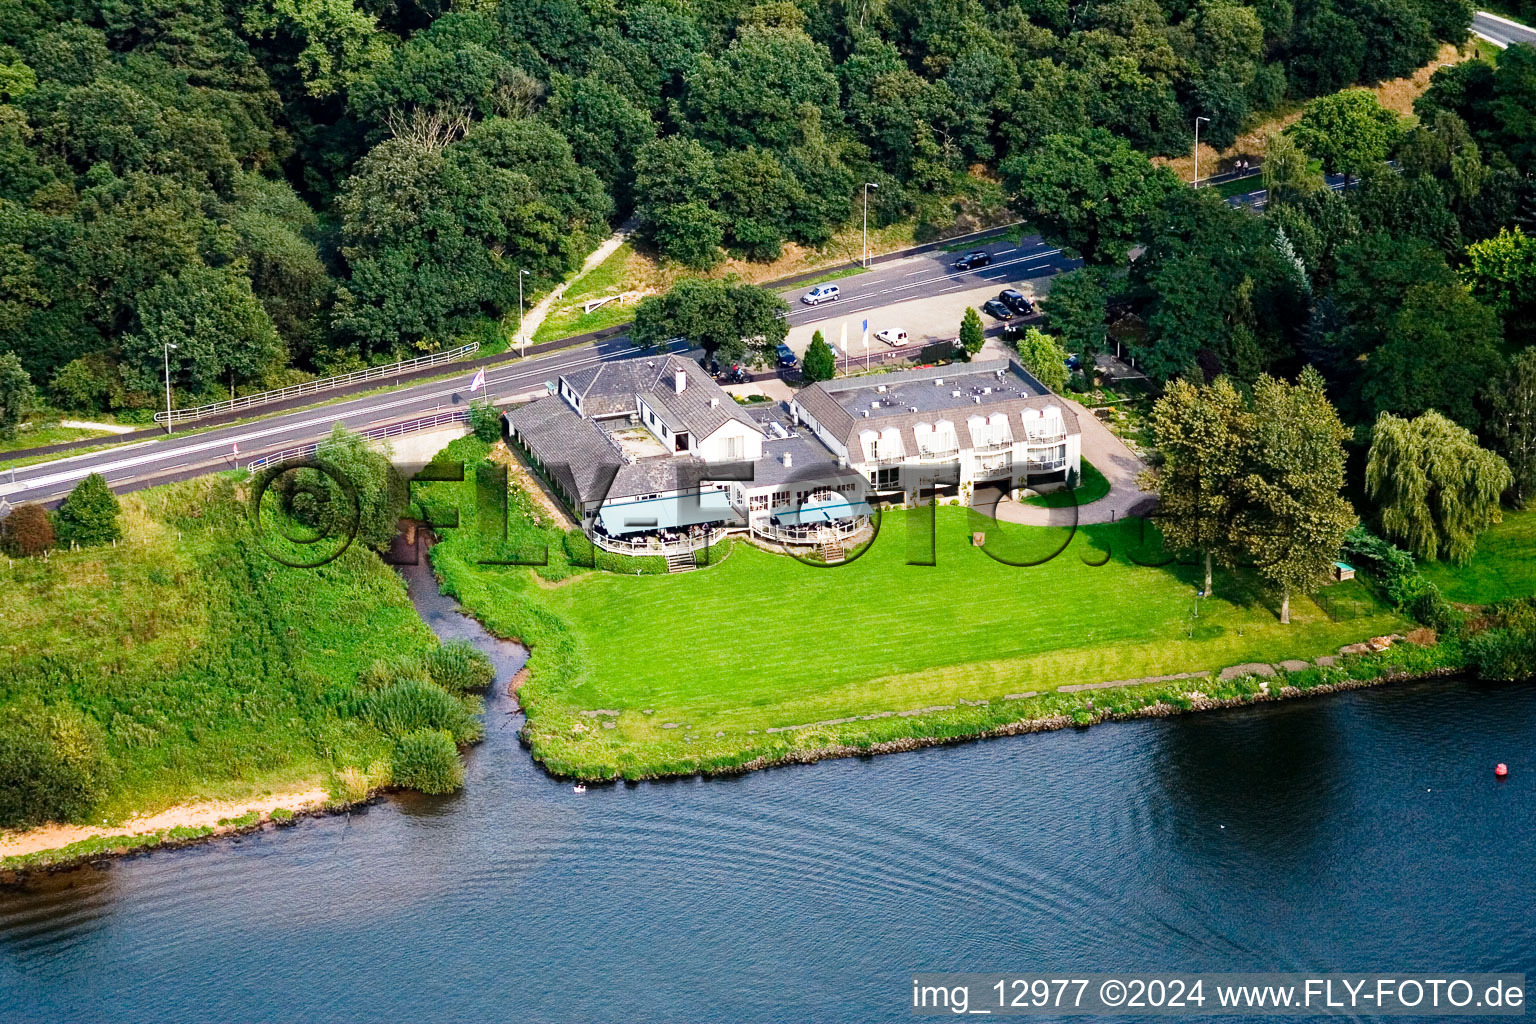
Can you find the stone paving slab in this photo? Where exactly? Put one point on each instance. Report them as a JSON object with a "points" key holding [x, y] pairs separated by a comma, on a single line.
{"points": [[1255, 668]]}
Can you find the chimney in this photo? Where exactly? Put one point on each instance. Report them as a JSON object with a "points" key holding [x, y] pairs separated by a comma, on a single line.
{"points": [[938, 382], [788, 460], [714, 402], [680, 379]]}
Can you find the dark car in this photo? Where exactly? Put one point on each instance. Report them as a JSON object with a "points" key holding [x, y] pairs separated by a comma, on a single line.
{"points": [[972, 260], [786, 355], [1015, 300], [995, 309]]}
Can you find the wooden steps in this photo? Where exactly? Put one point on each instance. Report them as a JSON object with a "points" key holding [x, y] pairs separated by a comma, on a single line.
{"points": [[682, 562]]}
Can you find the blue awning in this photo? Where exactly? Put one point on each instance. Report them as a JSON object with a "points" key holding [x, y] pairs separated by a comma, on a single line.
{"points": [[823, 511], [633, 515]]}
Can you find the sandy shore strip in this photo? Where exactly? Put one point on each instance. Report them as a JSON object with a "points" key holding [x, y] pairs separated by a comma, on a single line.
{"points": [[52, 837]]}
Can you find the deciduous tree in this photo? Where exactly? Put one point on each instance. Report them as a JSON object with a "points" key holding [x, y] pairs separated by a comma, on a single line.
{"points": [[1291, 518], [1076, 308], [1348, 131], [733, 323], [1090, 192], [16, 394], [1512, 422], [1435, 488], [1201, 436], [972, 335], [1043, 357], [89, 515]]}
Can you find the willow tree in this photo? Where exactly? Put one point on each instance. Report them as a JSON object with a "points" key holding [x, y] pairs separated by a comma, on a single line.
{"points": [[1291, 518], [1200, 434], [1435, 487]]}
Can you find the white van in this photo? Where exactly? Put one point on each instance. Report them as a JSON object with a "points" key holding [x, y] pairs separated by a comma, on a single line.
{"points": [[821, 293]]}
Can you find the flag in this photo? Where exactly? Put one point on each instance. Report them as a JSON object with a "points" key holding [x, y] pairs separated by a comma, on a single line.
{"points": [[866, 334], [479, 381], [844, 341], [236, 446]]}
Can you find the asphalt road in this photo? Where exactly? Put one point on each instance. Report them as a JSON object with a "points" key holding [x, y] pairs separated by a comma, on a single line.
{"points": [[1501, 32], [142, 464]]}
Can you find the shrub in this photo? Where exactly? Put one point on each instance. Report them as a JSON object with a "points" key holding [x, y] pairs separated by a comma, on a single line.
{"points": [[53, 764], [89, 515], [428, 760], [1503, 654], [281, 814], [27, 531], [417, 704], [485, 421], [459, 667], [383, 672]]}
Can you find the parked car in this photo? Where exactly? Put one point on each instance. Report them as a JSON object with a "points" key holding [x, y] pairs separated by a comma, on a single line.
{"points": [[995, 309], [893, 336], [786, 355], [1015, 300], [821, 293], [972, 260]]}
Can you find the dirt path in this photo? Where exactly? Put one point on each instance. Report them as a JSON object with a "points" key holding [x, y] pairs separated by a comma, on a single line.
{"points": [[52, 837]]}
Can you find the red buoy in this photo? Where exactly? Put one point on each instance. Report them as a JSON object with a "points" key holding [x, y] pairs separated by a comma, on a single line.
{"points": [[1500, 771]]}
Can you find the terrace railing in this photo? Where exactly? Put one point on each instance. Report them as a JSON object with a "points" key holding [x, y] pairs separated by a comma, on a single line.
{"points": [[810, 533], [421, 423], [316, 387], [655, 545]]}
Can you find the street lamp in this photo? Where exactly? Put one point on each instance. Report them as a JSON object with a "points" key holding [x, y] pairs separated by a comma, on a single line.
{"points": [[167, 354], [522, 335], [1196, 182], [867, 186]]}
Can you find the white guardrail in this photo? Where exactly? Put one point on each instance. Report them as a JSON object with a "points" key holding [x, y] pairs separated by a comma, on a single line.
{"points": [[316, 386], [372, 433]]}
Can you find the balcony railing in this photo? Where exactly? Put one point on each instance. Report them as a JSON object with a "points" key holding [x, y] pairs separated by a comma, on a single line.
{"points": [[810, 533], [652, 545]]}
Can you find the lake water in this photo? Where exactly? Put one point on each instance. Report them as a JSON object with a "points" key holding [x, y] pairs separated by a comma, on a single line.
{"points": [[1358, 832]]}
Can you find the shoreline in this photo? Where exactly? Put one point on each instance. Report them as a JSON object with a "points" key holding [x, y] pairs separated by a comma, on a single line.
{"points": [[54, 846], [1354, 672], [38, 864], [1055, 723]]}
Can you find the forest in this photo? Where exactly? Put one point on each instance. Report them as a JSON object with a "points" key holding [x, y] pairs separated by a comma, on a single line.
{"points": [[285, 189]]}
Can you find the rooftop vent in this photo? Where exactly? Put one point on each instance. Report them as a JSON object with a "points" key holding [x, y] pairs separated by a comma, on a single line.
{"points": [[912, 408], [986, 391], [976, 399], [880, 388], [866, 414], [714, 402], [874, 403], [999, 373], [954, 394], [938, 382]]}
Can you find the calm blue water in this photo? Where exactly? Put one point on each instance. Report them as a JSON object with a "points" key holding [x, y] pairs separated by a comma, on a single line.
{"points": [[1362, 832]]}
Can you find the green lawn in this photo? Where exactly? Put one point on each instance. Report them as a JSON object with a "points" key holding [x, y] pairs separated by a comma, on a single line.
{"points": [[40, 435], [1503, 566], [1093, 487], [761, 641]]}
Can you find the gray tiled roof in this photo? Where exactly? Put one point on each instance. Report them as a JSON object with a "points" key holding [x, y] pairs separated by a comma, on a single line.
{"points": [[999, 385], [610, 388], [575, 452], [810, 461]]}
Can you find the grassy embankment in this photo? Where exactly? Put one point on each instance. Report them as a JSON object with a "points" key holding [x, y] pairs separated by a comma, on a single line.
{"points": [[675, 674], [211, 671], [1502, 568]]}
